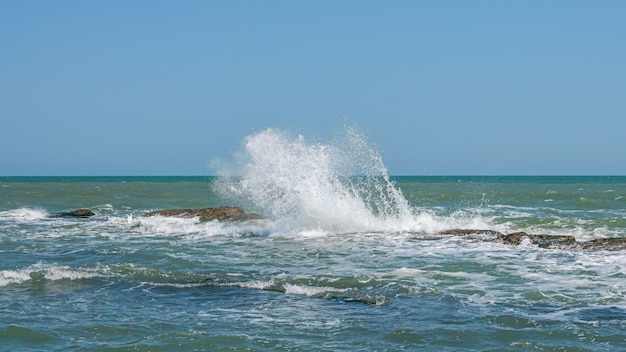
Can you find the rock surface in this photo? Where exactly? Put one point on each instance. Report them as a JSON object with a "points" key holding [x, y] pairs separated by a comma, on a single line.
{"points": [[80, 213], [207, 214], [541, 241], [229, 214], [517, 238], [607, 244]]}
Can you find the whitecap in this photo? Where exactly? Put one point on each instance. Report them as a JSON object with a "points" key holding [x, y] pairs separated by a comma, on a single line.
{"points": [[24, 214], [51, 272], [305, 290]]}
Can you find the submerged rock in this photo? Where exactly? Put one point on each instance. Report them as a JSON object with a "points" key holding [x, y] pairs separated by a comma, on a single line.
{"points": [[80, 213], [207, 214]]}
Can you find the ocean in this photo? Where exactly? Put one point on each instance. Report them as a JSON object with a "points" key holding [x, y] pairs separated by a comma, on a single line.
{"points": [[345, 258]]}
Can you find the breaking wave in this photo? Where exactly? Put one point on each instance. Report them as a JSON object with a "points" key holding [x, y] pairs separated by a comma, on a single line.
{"points": [[24, 214], [339, 186]]}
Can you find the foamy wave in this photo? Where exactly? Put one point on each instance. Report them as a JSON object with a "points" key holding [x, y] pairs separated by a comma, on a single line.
{"points": [[309, 290], [314, 189], [165, 225], [341, 186], [258, 285], [24, 214], [51, 272], [190, 228], [407, 272], [289, 288]]}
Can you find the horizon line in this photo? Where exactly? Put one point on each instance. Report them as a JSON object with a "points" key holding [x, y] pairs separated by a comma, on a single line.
{"points": [[392, 175]]}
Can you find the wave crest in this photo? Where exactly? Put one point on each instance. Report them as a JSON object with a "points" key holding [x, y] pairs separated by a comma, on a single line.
{"points": [[339, 186]]}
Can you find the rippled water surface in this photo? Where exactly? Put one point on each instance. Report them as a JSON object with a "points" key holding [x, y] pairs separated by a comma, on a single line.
{"points": [[338, 263]]}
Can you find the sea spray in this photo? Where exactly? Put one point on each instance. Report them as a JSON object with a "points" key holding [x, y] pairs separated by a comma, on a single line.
{"points": [[339, 186]]}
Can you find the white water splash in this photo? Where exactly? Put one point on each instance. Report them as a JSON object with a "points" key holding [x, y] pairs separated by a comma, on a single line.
{"points": [[341, 186], [50, 272], [24, 214]]}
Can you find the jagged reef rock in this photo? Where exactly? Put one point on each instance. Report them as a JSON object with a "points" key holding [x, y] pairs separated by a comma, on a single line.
{"points": [[207, 214], [80, 213], [541, 241], [489, 234], [607, 244]]}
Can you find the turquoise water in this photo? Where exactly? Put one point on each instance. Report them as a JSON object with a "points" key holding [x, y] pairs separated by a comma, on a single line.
{"points": [[338, 263], [120, 282]]}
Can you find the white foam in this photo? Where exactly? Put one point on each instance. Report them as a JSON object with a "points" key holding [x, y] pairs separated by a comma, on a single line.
{"points": [[24, 214], [313, 234], [340, 187], [407, 272], [8, 277], [164, 225], [188, 228], [313, 189], [52, 272], [259, 285], [305, 290]]}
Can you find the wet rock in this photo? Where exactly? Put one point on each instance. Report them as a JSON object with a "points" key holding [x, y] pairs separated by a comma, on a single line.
{"points": [[482, 235], [607, 244], [542, 241], [80, 213], [207, 214], [469, 232]]}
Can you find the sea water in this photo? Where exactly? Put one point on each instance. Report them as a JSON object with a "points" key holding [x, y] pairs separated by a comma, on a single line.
{"points": [[347, 258]]}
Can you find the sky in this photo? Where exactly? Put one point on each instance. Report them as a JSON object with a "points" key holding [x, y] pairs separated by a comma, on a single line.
{"points": [[438, 87]]}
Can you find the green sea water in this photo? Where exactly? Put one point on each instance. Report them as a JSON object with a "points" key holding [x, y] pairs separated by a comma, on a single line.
{"points": [[122, 282], [344, 258]]}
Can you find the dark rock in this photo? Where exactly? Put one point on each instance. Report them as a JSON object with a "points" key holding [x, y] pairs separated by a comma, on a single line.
{"points": [[482, 235], [515, 238], [607, 244], [542, 241], [80, 213], [206, 214], [469, 232]]}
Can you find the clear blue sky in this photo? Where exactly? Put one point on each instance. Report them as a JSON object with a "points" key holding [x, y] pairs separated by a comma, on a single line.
{"points": [[440, 87]]}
